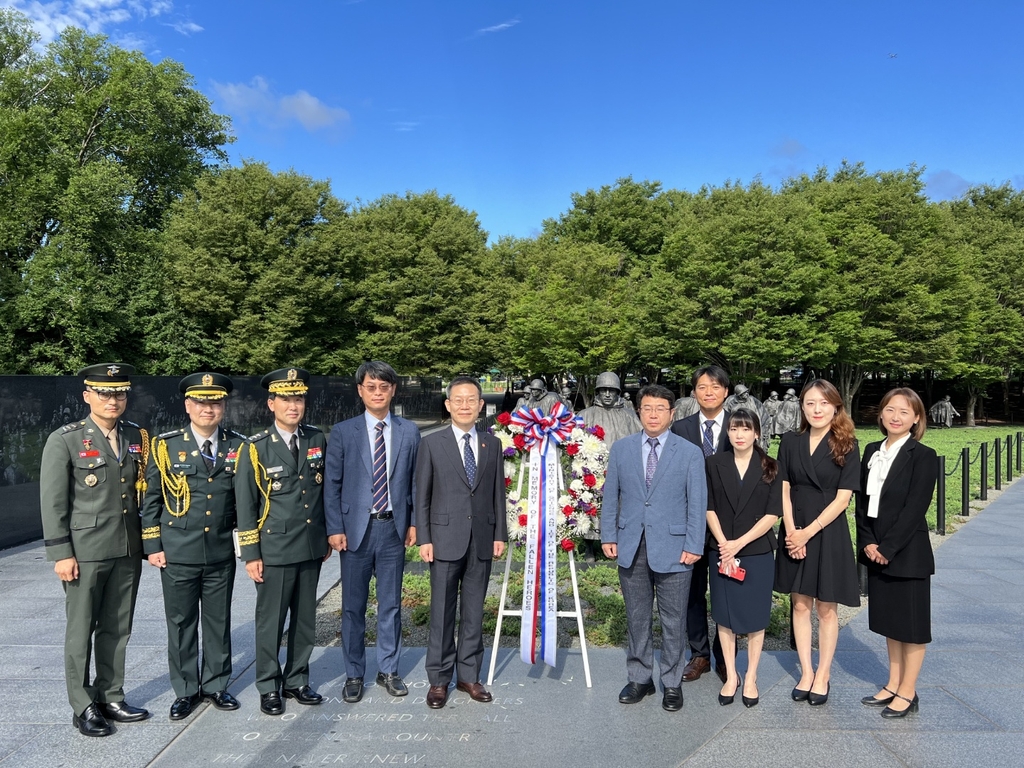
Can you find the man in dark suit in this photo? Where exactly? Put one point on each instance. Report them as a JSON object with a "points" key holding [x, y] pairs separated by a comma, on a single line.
{"points": [[368, 502], [92, 477], [460, 527], [282, 537], [187, 519], [705, 430], [653, 521]]}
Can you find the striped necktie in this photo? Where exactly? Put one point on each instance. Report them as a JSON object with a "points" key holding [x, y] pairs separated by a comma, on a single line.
{"points": [[380, 470], [708, 446]]}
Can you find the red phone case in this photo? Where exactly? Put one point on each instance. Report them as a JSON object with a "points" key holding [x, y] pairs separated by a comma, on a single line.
{"points": [[738, 573]]}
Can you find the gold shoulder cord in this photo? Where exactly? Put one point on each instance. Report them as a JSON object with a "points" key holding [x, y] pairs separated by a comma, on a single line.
{"points": [[175, 485], [258, 468], [140, 472]]}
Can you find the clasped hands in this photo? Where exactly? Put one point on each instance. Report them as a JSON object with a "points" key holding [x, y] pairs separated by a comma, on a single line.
{"points": [[871, 550], [796, 543]]}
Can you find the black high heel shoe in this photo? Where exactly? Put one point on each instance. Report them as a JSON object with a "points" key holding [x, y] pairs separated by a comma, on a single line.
{"points": [[889, 712], [750, 701], [799, 695], [817, 699], [871, 701], [727, 700]]}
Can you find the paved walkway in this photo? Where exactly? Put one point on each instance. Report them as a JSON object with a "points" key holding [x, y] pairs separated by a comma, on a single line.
{"points": [[971, 688]]}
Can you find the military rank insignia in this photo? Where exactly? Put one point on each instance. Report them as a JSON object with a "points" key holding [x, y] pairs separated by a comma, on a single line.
{"points": [[314, 453], [182, 455]]}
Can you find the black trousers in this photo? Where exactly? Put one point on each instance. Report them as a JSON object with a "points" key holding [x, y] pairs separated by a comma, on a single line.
{"points": [[697, 613]]}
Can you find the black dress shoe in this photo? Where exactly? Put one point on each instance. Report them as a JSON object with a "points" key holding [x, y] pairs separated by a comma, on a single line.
{"points": [[817, 699], [871, 701], [672, 701], [92, 723], [271, 704], [223, 700], [635, 692], [183, 706], [304, 695], [890, 712], [723, 675], [799, 695], [353, 690], [392, 683], [122, 712]]}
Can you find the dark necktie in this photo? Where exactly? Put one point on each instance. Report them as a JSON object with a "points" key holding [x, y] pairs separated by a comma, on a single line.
{"points": [[207, 451], [652, 460], [380, 470], [293, 446], [469, 459], [708, 446]]}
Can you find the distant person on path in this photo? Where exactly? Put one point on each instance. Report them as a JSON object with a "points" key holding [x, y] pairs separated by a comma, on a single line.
{"points": [[820, 471], [942, 413], [187, 519], [706, 430], [744, 502], [898, 477], [653, 520], [368, 498], [92, 478]]}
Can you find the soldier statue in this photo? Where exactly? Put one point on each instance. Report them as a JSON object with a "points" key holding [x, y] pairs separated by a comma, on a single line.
{"points": [[537, 396], [771, 408], [788, 417], [942, 413], [686, 406]]}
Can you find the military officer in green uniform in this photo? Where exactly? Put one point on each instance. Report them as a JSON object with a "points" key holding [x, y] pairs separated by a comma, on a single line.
{"points": [[92, 480], [283, 537], [188, 516]]}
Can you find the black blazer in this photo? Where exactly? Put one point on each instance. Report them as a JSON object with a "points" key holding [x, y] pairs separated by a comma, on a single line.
{"points": [[900, 530], [739, 506], [690, 429]]}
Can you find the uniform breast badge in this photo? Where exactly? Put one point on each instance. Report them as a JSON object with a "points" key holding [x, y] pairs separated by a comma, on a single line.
{"points": [[276, 485], [319, 478], [91, 480]]}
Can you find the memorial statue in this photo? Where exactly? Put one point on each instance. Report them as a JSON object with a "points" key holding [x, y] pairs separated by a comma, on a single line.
{"points": [[686, 406], [942, 413], [788, 417], [771, 411], [537, 396], [742, 397]]}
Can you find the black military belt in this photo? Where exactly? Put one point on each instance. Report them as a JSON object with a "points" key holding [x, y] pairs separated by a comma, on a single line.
{"points": [[382, 515]]}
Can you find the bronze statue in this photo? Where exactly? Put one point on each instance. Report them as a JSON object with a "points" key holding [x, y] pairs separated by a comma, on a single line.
{"points": [[537, 396], [942, 413]]}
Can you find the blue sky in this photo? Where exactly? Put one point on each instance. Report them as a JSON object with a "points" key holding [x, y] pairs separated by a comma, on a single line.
{"points": [[511, 106]]}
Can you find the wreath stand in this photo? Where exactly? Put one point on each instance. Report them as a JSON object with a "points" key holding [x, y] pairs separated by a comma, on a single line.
{"points": [[577, 614]]}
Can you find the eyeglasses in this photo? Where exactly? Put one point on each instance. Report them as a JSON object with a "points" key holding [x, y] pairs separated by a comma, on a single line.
{"points": [[373, 389], [106, 397], [658, 409], [460, 401]]}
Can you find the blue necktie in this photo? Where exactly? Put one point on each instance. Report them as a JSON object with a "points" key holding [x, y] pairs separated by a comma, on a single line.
{"points": [[380, 470], [652, 460], [708, 446], [469, 459]]}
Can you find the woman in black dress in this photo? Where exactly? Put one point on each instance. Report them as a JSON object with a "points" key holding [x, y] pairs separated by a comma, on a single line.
{"points": [[744, 501], [898, 479], [820, 470]]}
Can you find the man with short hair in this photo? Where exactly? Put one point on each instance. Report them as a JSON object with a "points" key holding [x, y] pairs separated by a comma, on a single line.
{"points": [[460, 527], [187, 520], [653, 520], [704, 429], [368, 502], [92, 478], [282, 537]]}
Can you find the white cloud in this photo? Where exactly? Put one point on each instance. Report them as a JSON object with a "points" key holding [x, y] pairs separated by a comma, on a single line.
{"points": [[497, 27], [94, 16], [404, 126], [258, 102], [185, 28]]}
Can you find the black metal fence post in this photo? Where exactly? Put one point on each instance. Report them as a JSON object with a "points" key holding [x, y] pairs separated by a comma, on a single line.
{"points": [[999, 464], [1020, 439], [984, 471], [965, 488], [1009, 458], [940, 499]]}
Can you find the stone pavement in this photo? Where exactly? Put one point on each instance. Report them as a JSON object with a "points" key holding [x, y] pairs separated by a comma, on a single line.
{"points": [[970, 688]]}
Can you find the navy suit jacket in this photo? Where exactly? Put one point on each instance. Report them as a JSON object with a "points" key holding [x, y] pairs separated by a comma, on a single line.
{"points": [[348, 478], [672, 513], [690, 429]]}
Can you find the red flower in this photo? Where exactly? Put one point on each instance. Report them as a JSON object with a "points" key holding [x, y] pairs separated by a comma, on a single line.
{"points": [[589, 480], [572, 449], [572, 493], [520, 441], [592, 512], [567, 510], [504, 419], [508, 481], [568, 545], [522, 520], [598, 432]]}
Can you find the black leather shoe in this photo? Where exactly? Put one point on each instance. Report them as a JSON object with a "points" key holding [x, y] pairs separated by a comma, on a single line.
{"points": [[799, 695], [890, 712], [723, 675], [183, 706], [672, 701], [353, 690], [871, 701], [817, 699], [222, 700], [304, 695], [635, 692], [392, 683], [122, 712], [271, 704], [92, 723]]}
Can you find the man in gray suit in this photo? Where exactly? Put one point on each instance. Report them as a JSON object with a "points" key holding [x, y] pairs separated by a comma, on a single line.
{"points": [[653, 521], [460, 527], [368, 493]]}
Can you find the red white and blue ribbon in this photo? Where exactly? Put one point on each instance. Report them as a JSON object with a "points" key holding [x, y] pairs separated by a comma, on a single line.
{"points": [[540, 594]]}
